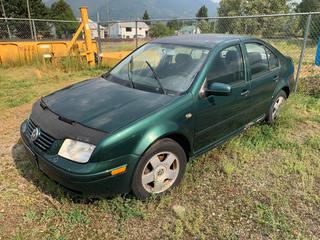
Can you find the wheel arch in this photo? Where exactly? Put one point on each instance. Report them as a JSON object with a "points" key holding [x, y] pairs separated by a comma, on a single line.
{"points": [[182, 140], [286, 89], [179, 138]]}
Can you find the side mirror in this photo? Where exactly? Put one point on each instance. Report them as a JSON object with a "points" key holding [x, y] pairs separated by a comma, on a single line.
{"points": [[218, 89]]}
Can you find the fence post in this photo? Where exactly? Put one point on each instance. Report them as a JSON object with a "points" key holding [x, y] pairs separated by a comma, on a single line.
{"points": [[34, 31], [99, 38], [305, 38], [29, 16], [5, 18], [136, 36]]}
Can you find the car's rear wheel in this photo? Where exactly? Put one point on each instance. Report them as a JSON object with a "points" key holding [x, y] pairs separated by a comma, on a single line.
{"points": [[160, 168], [276, 105]]}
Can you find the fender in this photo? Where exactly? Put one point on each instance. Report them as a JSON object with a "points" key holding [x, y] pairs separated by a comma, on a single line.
{"points": [[139, 136]]}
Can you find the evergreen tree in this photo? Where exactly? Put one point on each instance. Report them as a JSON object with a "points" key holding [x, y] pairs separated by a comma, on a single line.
{"points": [[146, 17], [61, 10], [202, 12]]}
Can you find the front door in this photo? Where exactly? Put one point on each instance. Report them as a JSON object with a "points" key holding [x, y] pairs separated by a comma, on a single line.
{"points": [[221, 116]]}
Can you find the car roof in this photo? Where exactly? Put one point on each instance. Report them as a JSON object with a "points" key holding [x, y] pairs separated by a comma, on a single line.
{"points": [[200, 40]]}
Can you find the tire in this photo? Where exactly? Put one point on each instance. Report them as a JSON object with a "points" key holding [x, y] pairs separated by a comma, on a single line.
{"points": [[275, 106], [160, 169]]}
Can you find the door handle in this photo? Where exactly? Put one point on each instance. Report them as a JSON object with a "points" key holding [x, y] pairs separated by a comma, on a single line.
{"points": [[276, 78], [244, 92]]}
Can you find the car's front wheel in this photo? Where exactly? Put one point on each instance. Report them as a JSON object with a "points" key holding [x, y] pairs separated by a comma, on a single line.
{"points": [[276, 105], [160, 168]]}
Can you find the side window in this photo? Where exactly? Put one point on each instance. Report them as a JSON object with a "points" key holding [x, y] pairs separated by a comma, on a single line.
{"points": [[227, 67], [273, 60], [258, 59]]}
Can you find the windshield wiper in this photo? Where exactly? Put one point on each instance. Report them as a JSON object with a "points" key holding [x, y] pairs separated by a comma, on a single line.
{"points": [[129, 72], [157, 78]]}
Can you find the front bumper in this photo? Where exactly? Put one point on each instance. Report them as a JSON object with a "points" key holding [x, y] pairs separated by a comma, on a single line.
{"points": [[89, 178]]}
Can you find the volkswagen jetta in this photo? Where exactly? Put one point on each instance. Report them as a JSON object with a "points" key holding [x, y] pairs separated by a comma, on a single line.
{"points": [[135, 127]]}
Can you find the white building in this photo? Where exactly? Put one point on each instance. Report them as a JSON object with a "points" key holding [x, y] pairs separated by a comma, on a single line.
{"points": [[128, 30], [189, 30], [94, 29]]}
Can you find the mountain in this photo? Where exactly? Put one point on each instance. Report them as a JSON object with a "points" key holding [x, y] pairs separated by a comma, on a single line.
{"points": [[133, 9]]}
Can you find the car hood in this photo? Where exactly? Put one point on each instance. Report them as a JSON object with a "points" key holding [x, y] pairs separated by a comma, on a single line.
{"points": [[104, 105]]}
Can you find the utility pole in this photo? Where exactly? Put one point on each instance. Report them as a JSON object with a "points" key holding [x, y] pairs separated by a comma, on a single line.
{"points": [[108, 17], [107, 10], [6, 20], [29, 16]]}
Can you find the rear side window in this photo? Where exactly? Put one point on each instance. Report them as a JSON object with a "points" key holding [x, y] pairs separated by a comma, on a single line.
{"points": [[273, 60], [227, 67], [258, 59]]}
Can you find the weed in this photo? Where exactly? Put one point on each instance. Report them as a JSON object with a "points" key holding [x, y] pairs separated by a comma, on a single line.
{"points": [[76, 217], [29, 216], [125, 208]]}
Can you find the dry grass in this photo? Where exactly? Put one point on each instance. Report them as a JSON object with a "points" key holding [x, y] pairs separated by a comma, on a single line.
{"points": [[263, 184]]}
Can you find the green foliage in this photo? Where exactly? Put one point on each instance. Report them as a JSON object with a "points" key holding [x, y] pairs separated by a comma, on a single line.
{"points": [[174, 24], [311, 6], [206, 27], [146, 17], [160, 30], [257, 26], [202, 12], [61, 10], [18, 9], [76, 217]]}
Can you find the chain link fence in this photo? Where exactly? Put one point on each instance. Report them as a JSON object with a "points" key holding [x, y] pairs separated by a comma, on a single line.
{"points": [[14, 29], [295, 35]]}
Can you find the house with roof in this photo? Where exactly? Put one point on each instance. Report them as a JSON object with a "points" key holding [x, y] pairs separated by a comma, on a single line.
{"points": [[94, 29], [128, 30], [189, 30]]}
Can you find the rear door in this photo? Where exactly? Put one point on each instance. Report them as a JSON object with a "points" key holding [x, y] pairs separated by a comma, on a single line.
{"points": [[220, 116], [264, 73]]}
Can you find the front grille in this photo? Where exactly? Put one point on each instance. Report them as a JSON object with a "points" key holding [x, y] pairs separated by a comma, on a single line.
{"points": [[44, 140]]}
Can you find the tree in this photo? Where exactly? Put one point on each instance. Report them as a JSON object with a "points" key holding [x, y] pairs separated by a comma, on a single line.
{"points": [[310, 6], [206, 27], [202, 12], [18, 9], [160, 30], [146, 17], [61, 10], [174, 24], [258, 26]]}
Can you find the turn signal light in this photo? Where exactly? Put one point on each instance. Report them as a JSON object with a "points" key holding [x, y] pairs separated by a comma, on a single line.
{"points": [[118, 170]]}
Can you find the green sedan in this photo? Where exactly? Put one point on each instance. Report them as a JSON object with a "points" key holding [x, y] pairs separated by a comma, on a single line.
{"points": [[135, 128]]}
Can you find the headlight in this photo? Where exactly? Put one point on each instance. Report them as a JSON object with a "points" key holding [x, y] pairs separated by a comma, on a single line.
{"points": [[76, 151]]}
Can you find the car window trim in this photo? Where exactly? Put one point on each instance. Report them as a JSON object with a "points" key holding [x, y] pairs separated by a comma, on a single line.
{"points": [[269, 60], [245, 80], [260, 74]]}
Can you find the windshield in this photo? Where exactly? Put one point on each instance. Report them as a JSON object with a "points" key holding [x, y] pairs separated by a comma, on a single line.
{"points": [[163, 68]]}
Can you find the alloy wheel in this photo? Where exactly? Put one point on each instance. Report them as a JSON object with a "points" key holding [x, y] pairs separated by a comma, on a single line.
{"points": [[160, 172], [277, 105]]}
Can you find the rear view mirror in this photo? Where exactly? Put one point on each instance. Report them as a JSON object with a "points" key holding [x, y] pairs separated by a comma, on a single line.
{"points": [[218, 89]]}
